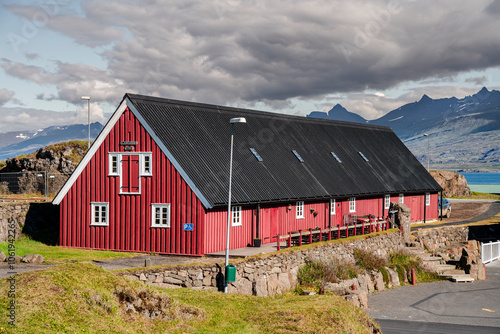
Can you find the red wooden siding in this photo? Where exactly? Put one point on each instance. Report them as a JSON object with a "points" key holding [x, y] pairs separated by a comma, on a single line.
{"points": [[130, 215], [214, 237]]}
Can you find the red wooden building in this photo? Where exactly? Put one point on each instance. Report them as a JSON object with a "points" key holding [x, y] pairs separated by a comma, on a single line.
{"points": [[156, 178]]}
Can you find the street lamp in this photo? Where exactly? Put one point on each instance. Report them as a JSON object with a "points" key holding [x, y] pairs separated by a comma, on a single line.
{"points": [[88, 104], [428, 149], [233, 121]]}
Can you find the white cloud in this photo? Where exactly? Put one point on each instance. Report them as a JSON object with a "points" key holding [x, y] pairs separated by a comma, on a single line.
{"points": [[271, 52], [5, 96]]}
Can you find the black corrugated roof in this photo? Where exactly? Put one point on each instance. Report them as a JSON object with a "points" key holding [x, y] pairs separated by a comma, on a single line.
{"points": [[198, 137]]}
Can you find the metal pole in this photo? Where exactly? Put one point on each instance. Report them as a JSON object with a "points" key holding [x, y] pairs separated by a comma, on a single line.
{"points": [[88, 104], [46, 186], [229, 206], [428, 152]]}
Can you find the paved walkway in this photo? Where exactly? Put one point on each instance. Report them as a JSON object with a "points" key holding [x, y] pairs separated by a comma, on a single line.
{"points": [[492, 211], [470, 304]]}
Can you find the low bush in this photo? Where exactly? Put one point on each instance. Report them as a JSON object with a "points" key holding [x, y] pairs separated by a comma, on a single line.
{"points": [[369, 261], [314, 272]]}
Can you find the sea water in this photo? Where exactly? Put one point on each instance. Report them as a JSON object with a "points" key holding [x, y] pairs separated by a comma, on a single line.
{"points": [[483, 182]]}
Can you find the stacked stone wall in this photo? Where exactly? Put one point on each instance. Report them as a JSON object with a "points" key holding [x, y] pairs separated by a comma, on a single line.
{"points": [[440, 239], [12, 214], [270, 274]]}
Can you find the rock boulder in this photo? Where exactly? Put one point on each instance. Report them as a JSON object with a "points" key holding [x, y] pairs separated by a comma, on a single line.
{"points": [[453, 184]]}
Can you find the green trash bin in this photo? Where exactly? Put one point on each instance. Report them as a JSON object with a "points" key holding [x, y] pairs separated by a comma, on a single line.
{"points": [[230, 273]]}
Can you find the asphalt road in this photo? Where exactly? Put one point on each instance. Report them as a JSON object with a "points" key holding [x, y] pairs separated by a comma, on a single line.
{"points": [[441, 307]]}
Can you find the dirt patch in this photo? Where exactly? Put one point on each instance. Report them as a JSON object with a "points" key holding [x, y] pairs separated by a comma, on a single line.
{"points": [[466, 210]]}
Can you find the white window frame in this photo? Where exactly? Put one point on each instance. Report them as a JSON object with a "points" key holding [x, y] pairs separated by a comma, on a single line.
{"points": [[161, 207], [113, 170], [332, 206], [427, 199], [299, 210], [387, 202], [100, 216], [352, 204], [401, 198], [145, 160], [236, 216]]}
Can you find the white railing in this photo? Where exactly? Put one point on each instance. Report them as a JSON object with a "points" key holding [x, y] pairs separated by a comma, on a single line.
{"points": [[490, 251]]}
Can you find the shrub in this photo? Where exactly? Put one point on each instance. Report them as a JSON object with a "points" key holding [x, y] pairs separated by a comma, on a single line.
{"points": [[403, 258], [314, 272], [368, 261], [345, 270]]}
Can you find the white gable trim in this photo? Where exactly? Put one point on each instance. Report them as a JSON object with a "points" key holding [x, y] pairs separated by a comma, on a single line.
{"points": [[86, 159], [169, 155]]}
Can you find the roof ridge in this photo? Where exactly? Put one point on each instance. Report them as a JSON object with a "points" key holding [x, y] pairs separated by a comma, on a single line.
{"points": [[134, 97]]}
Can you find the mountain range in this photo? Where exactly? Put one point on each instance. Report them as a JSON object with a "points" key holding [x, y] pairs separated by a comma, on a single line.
{"points": [[462, 134], [23, 142]]}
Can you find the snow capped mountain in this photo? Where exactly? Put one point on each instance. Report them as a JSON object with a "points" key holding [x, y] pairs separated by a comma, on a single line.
{"points": [[463, 133], [17, 143]]}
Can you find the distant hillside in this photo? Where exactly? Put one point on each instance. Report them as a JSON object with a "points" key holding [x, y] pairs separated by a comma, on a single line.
{"points": [[25, 142], [463, 133], [338, 113]]}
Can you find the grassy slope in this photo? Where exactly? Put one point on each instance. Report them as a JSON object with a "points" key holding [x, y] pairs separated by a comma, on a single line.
{"points": [[56, 254], [79, 298]]}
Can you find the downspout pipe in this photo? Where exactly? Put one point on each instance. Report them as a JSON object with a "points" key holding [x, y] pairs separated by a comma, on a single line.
{"points": [[257, 227]]}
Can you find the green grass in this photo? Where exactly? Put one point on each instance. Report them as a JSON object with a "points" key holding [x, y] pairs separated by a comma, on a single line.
{"points": [[55, 254], [81, 298], [478, 195]]}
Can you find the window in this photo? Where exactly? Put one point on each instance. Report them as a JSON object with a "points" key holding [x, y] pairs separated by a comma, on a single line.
{"points": [[256, 155], [299, 213], [332, 206], [387, 201], [336, 157], [401, 198], [160, 215], [352, 204], [297, 155], [146, 165], [99, 214], [427, 199], [236, 216], [363, 156], [113, 164]]}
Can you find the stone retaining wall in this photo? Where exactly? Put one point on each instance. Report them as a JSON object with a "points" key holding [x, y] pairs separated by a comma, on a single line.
{"points": [[270, 274], [39, 220], [440, 239], [12, 213]]}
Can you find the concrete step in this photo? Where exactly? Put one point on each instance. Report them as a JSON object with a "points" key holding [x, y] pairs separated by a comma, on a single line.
{"points": [[453, 272], [445, 267], [431, 258], [462, 279]]}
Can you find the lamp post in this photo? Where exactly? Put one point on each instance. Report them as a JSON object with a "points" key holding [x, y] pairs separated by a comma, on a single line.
{"points": [[428, 149], [88, 104], [233, 121]]}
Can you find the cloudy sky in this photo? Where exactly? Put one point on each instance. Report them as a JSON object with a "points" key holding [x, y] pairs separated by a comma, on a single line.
{"points": [[283, 56]]}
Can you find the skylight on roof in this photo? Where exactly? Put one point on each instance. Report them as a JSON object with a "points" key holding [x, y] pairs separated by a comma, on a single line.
{"points": [[297, 155], [336, 157], [257, 156], [363, 156]]}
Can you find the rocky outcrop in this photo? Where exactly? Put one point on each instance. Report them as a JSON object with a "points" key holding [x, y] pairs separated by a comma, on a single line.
{"points": [[453, 184], [49, 159], [471, 262]]}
